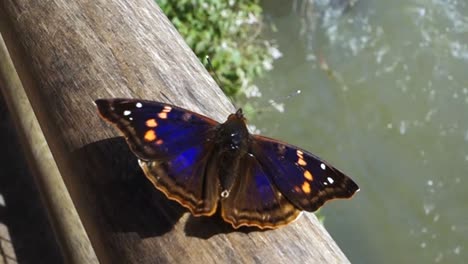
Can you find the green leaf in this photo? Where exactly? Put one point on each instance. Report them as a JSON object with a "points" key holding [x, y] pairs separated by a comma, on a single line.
{"points": [[218, 29]]}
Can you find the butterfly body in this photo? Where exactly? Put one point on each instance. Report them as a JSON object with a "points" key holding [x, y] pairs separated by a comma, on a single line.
{"points": [[231, 140], [205, 165]]}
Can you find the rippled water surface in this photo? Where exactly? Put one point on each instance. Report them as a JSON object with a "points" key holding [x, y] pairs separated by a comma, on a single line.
{"points": [[384, 98]]}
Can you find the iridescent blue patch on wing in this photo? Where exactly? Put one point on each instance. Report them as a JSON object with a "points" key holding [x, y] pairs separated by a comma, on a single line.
{"points": [[260, 192], [183, 164], [303, 178], [173, 129]]}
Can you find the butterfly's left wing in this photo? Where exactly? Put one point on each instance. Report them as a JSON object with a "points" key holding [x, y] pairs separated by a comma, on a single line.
{"points": [[304, 179], [171, 144]]}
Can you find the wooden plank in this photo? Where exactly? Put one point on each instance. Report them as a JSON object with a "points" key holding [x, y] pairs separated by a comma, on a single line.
{"points": [[68, 54], [69, 229]]}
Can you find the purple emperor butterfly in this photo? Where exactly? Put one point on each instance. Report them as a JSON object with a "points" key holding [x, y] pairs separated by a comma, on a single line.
{"points": [[203, 165]]}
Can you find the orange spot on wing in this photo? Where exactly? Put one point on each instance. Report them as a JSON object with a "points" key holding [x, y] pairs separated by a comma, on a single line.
{"points": [[150, 135], [159, 142], [306, 187], [300, 158], [301, 162], [308, 175], [162, 115], [151, 123]]}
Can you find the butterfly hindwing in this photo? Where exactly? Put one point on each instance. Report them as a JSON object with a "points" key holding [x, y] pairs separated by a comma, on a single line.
{"points": [[188, 179], [171, 145], [255, 201], [304, 179]]}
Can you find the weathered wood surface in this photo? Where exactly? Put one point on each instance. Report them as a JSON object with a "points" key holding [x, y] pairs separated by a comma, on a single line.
{"points": [[69, 230], [68, 54]]}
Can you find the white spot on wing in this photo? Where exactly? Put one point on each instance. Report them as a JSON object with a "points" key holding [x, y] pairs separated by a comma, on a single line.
{"points": [[139, 105], [323, 166], [127, 112], [167, 109], [330, 180], [225, 194]]}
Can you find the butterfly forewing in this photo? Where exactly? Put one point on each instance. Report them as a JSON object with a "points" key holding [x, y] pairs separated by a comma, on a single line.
{"points": [[304, 179], [171, 145], [155, 130]]}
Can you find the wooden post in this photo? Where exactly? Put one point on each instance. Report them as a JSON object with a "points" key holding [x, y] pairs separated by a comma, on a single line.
{"points": [[69, 53]]}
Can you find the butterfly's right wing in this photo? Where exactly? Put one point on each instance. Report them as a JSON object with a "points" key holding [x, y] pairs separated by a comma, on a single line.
{"points": [[254, 200], [172, 146], [303, 178]]}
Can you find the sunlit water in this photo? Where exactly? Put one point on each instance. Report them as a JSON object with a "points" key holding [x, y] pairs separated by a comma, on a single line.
{"points": [[385, 99]]}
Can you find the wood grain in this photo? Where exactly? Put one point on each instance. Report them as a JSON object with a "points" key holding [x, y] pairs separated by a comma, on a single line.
{"points": [[69, 53], [69, 230]]}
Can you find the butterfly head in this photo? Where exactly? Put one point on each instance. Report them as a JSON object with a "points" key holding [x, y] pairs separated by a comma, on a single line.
{"points": [[239, 114], [233, 133]]}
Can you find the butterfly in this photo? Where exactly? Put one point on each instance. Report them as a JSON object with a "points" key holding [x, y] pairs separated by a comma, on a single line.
{"points": [[205, 165]]}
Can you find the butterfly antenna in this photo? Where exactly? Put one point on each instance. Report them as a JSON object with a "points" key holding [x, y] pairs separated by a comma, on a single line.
{"points": [[278, 103], [211, 68], [287, 97], [218, 81]]}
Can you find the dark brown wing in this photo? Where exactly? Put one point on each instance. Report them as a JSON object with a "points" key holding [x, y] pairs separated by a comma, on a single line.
{"points": [[254, 199], [171, 145], [304, 179]]}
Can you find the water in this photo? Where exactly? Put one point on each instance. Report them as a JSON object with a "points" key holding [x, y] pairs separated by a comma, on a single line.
{"points": [[384, 98]]}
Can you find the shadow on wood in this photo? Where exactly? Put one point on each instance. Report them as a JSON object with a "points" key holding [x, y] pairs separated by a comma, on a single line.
{"points": [[206, 227], [121, 188], [24, 227]]}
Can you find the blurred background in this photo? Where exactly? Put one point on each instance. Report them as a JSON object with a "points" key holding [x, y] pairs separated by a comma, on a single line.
{"points": [[384, 98]]}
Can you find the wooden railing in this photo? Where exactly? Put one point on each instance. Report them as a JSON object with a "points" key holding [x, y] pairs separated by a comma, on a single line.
{"points": [[101, 207]]}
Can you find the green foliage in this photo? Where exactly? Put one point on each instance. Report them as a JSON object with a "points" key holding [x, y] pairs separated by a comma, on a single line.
{"points": [[228, 31]]}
